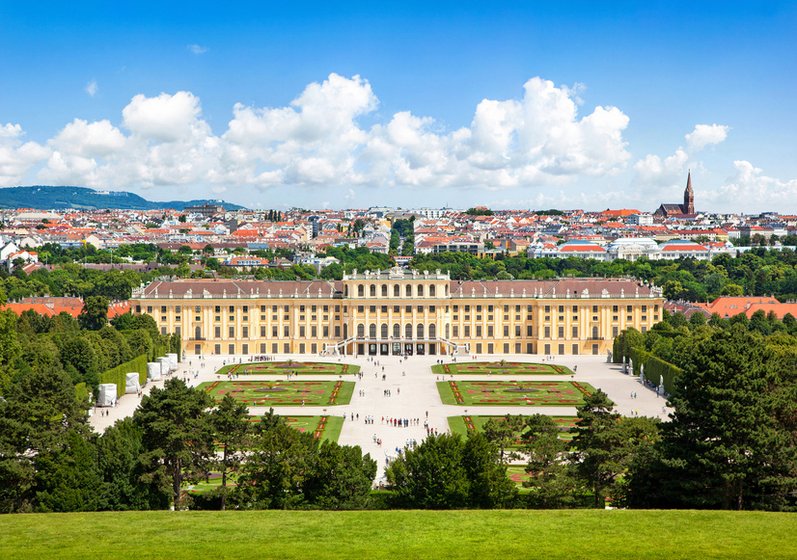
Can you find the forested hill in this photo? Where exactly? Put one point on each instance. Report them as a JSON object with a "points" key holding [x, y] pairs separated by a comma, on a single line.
{"points": [[60, 198]]}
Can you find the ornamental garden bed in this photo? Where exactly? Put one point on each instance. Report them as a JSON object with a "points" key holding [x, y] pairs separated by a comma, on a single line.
{"points": [[500, 368], [283, 393], [323, 428], [294, 368], [514, 393], [464, 424]]}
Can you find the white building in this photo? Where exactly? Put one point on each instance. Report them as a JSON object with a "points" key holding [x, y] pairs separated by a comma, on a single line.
{"points": [[632, 248]]}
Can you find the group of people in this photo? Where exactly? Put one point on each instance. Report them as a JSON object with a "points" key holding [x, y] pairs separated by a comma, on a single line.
{"points": [[402, 422]]}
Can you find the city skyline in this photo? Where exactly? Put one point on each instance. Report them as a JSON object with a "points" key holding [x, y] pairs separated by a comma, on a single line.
{"points": [[577, 106]]}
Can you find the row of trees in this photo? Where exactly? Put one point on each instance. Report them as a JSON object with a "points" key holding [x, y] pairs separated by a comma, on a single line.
{"points": [[448, 471], [757, 273], [81, 348], [50, 460]]}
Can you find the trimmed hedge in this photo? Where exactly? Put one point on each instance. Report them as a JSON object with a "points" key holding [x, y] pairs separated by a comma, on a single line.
{"points": [[655, 368], [118, 375]]}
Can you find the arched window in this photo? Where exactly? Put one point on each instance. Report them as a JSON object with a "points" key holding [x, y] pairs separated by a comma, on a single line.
{"points": [[360, 290], [594, 332], [396, 290], [373, 290], [372, 330], [198, 333], [432, 330], [408, 331], [345, 331], [409, 290], [396, 330], [384, 290], [360, 331], [447, 330], [446, 290], [420, 290], [420, 330], [346, 290], [384, 330], [432, 291]]}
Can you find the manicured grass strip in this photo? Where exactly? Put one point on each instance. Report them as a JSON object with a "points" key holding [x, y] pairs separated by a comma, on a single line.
{"points": [[332, 430], [284, 368], [457, 425], [556, 535], [514, 393], [283, 393], [500, 368]]}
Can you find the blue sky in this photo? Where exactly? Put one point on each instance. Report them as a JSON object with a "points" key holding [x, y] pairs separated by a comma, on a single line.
{"points": [[356, 104]]}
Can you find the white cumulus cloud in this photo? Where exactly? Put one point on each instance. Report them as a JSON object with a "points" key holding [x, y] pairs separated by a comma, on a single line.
{"points": [[196, 49], [706, 134], [320, 138], [17, 158], [749, 185]]}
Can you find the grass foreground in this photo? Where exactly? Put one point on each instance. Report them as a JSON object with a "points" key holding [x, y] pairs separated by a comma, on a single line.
{"points": [[564, 534]]}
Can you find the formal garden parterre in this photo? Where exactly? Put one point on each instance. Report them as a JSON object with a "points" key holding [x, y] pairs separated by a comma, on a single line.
{"points": [[514, 393], [323, 428], [289, 367], [500, 368], [464, 424], [283, 393]]}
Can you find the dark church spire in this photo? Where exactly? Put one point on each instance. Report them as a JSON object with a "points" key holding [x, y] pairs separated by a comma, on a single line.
{"points": [[689, 196]]}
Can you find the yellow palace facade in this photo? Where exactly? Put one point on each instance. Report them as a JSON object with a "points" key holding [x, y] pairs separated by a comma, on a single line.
{"points": [[400, 312]]}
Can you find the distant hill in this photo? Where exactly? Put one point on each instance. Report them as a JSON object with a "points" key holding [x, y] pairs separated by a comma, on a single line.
{"points": [[83, 198]]}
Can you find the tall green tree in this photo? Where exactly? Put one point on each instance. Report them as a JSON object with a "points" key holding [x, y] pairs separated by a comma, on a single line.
{"points": [[432, 475], [177, 436], [594, 443], [230, 428], [341, 477], [725, 446], [278, 465], [94, 314], [550, 484]]}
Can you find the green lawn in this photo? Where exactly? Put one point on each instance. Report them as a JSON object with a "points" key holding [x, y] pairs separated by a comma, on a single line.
{"points": [[501, 368], [284, 368], [514, 393], [324, 428], [514, 534], [463, 424], [283, 393]]}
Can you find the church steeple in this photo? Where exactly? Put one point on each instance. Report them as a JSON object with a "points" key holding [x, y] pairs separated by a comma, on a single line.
{"points": [[689, 196]]}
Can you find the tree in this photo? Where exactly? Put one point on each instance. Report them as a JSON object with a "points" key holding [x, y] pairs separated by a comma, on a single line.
{"points": [[504, 433], [725, 446], [593, 443], [230, 427], [94, 314], [176, 435], [550, 483], [432, 475], [39, 421], [119, 450], [490, 486], [278, 466], [10, 348], [341, 477]]}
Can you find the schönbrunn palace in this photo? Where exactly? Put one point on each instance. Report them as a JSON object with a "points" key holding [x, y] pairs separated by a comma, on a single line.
{"points": [[400, 312]]}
